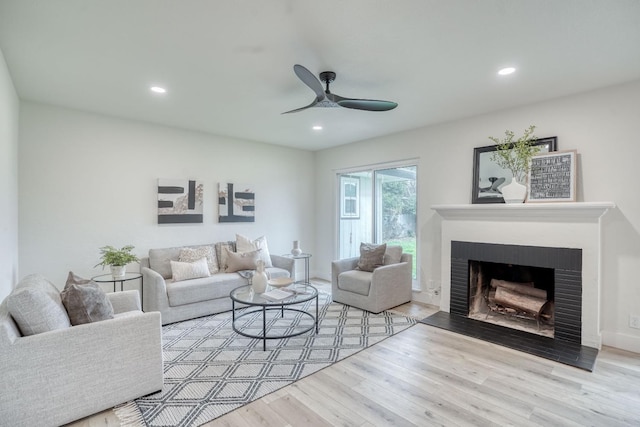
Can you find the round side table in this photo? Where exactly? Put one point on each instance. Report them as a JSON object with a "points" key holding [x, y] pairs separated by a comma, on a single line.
{"points": [[108, 278], [305, 257]]}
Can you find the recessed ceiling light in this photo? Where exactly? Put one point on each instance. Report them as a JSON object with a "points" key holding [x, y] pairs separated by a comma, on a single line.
{"points": [[506, 71], [158, 89], [317, 127]]}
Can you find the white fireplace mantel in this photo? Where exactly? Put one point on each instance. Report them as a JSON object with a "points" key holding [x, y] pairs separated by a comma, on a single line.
{"points": [[540, 212], [564, 225]]}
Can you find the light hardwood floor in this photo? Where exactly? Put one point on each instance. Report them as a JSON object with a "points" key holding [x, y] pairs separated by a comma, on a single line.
{"points": [[426, 376]]}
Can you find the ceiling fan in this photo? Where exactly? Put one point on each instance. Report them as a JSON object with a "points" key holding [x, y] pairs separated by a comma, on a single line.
{"points": [[326, 99]]}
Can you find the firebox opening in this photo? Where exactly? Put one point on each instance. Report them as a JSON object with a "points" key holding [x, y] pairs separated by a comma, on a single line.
{"points": [[515, 296]]}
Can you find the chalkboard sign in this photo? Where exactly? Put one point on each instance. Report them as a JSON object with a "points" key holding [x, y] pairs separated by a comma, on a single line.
{"points": [[552, 177]]}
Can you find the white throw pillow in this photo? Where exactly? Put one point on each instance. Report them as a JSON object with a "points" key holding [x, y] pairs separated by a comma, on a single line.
{"points": [[189, 270], [244, 244], [194, 254]]}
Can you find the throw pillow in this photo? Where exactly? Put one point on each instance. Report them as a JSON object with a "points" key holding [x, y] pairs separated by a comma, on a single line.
{"points": [[189, 270], [35, 311], [237, 261], [85, 301], [244, 244], [371, 256], [194, 254], [222, 254], [392, 255]]}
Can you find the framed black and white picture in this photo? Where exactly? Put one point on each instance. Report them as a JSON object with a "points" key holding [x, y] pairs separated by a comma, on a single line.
{"points": [[236, 203], [489, 178], [179, 201], [552, 177], [349, 197]]}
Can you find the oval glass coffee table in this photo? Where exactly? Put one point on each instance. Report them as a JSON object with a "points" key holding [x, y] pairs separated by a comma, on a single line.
{"points": [[255, 321]]}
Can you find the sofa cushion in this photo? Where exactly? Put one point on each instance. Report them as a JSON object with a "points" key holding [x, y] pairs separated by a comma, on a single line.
{"points": [[371, 256], [36, 307], [356, 281], [85, 301], [194, 254], [160, 260], [237, 261], [189, 270], [392, 255], [222, 254], [244, 244], [203, 289]]}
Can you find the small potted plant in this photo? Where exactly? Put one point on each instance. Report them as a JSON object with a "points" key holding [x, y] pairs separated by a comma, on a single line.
{"points": [[515, 156], [117, 259]]}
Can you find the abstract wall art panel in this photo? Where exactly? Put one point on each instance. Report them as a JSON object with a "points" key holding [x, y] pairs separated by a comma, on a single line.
{"points": [[236, 203], [179, 201]]}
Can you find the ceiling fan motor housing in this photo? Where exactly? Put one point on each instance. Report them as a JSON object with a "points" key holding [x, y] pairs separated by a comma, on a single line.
{"points": [[327, 76]]}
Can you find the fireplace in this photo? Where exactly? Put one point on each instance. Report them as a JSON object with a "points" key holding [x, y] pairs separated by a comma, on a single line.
{"points": [[515, 296], [555, 273], [561, 241]]}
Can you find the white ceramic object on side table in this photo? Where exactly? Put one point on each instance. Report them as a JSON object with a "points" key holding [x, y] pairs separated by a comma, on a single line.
{"points": [[514, 192], [260, 279], [296, 251]]}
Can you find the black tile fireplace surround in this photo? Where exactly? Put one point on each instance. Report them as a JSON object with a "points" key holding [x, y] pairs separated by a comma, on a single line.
{"points": [[567, 265]]}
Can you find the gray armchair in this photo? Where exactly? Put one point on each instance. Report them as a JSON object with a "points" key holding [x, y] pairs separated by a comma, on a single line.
{"points": [[386, 287], [55, 377]]}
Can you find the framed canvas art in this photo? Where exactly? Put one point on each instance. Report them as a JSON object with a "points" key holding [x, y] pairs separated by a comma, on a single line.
{"points": [[236, 203], [179, 201]]}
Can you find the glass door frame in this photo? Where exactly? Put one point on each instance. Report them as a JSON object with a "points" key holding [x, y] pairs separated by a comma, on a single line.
{"points": [[339, 175]]}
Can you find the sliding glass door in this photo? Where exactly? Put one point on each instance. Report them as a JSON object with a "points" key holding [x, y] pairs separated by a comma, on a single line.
{"points": [[379, 206]]}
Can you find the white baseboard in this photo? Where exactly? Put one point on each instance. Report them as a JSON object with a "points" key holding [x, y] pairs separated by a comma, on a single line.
{"points": [[621, 341], [425, 298]]}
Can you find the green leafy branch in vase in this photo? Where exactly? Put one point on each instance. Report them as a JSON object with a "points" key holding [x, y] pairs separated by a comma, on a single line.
{"points": [[515, 156]]}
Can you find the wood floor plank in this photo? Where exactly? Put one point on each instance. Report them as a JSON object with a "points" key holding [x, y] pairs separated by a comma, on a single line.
{"points": [[332, 411], [297, 413], [424, 375]]}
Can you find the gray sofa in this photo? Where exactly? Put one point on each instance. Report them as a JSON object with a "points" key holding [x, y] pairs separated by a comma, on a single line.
{"points": [[188, 299], [56, 377], [386, 287]]}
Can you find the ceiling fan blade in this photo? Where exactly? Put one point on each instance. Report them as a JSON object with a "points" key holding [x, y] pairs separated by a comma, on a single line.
{"points": [[313, 104], [310, 80], [362, 104]]}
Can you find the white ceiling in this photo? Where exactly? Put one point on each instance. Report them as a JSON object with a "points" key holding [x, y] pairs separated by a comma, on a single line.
{"points": [[228, 64]]}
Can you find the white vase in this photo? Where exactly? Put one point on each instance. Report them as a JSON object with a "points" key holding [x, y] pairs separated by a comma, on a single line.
{"points": [[260, 279], [296, 248], [118, 271], [514, 192]]}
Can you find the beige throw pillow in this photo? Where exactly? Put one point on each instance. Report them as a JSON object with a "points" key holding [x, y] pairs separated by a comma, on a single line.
{"points": [[371, 256], [189, 270], [237, 261], [195, 254], [85, 301], [244, 244], [221, 253]]}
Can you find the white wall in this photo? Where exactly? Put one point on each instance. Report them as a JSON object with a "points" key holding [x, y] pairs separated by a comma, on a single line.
{"points": [[88, 180], [601, 125], [9, 109]]}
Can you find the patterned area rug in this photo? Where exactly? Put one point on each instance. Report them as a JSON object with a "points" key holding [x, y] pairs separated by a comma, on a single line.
{"points": [[210, 370]]}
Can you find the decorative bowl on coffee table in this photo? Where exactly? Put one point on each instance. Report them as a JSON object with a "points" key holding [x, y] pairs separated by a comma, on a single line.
{"points": [[280, 282]]}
